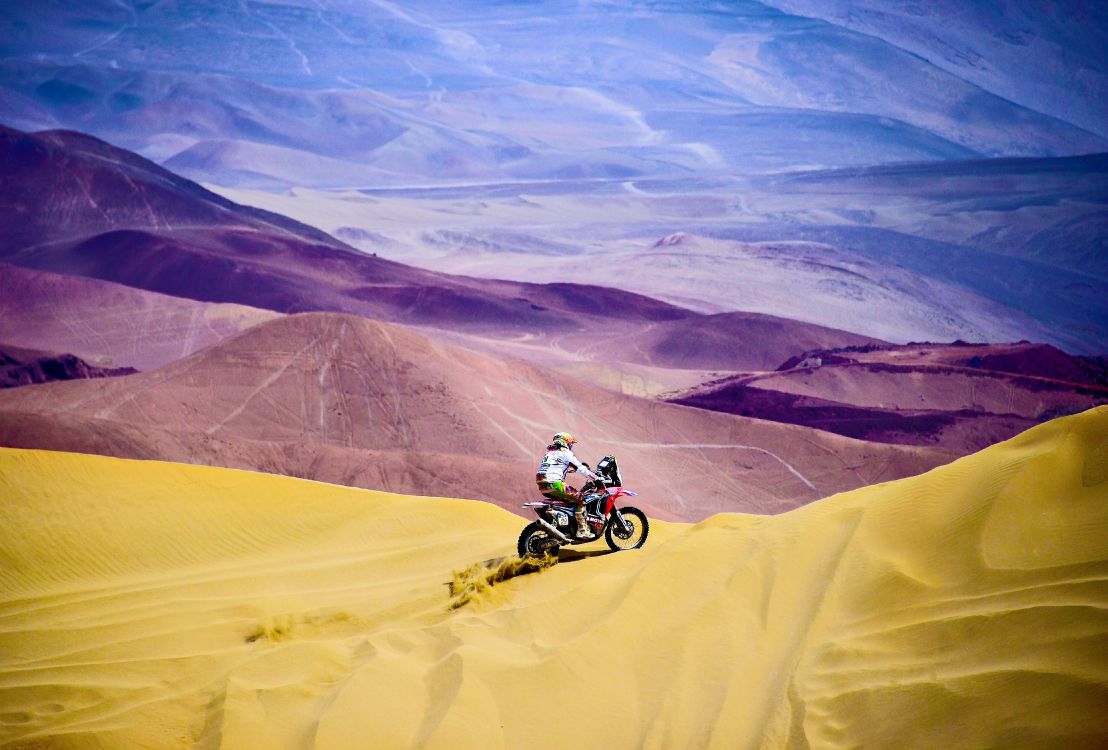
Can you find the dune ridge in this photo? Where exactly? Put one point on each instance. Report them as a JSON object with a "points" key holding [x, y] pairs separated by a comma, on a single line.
{"points": [[149, 604]]}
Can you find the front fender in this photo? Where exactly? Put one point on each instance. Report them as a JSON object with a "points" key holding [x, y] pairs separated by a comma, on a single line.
{"points": [[618, 492]]}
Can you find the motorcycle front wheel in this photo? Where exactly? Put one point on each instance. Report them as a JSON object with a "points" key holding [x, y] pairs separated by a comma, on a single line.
{"points": [[635, 535], [535, 541]]}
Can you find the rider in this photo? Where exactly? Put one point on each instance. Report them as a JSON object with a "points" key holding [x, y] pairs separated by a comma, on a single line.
{"points": [[551, 476]]}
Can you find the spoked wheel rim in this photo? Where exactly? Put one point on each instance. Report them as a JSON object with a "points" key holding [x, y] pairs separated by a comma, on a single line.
{"points": [[540, 544], [630, 539]]}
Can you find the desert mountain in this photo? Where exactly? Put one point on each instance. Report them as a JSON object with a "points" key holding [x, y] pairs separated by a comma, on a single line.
{"points": [[339, 94], [654, 358], [726, 341], [27, 366], [1036, 210], [934, 251], [152, 604], [961, 396], [880, 284], [84, 208], [349, 400], [109, 324], [79, 206], [998, 45]]}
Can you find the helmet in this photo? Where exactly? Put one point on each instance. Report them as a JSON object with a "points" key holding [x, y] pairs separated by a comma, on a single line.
{"points": [[563, 439]]}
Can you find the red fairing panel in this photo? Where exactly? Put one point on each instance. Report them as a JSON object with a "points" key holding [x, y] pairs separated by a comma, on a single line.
{"points": [[614, 492]]}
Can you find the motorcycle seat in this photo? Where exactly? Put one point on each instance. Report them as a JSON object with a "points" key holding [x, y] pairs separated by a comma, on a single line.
{"points": [[560, 503]]}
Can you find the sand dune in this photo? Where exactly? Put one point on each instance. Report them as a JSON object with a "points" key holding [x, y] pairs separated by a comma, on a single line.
{"points": [[146, 604], [354, 401]]}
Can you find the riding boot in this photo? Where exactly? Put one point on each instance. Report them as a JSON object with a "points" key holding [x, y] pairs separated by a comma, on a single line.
{"points": [[582, 527]]}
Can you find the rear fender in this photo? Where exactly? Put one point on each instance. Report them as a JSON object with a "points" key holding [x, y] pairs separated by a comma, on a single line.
{"points": [[548, 504], [537, 507]]}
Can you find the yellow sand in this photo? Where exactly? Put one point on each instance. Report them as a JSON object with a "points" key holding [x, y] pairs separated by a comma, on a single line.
{"points": [[153, 605]]}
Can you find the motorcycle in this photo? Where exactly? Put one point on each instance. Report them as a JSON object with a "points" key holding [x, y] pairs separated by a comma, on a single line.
{"points": [[623, 528]]}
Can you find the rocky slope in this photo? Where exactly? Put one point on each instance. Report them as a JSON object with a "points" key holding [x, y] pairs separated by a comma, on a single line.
{"points": [[344, 399]]}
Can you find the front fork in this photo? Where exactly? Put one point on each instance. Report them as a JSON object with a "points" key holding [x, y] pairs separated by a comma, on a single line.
{"points": [[619, 522]]}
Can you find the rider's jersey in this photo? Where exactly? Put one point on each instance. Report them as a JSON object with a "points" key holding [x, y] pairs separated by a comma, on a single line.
{"points": [[556, 463]]}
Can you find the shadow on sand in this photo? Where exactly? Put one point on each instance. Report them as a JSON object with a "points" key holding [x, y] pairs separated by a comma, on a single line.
{"points": [[573, 555]]}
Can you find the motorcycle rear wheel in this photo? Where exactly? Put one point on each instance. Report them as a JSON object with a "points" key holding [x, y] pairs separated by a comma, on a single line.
{"points": [[639, 529], [535, 541]]}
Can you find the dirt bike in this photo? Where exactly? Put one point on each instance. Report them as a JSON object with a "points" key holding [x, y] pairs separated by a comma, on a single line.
{"points": [[623, 528]]}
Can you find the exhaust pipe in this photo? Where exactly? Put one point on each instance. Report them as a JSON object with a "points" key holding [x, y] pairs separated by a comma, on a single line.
{"points": [[557, 534]]}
